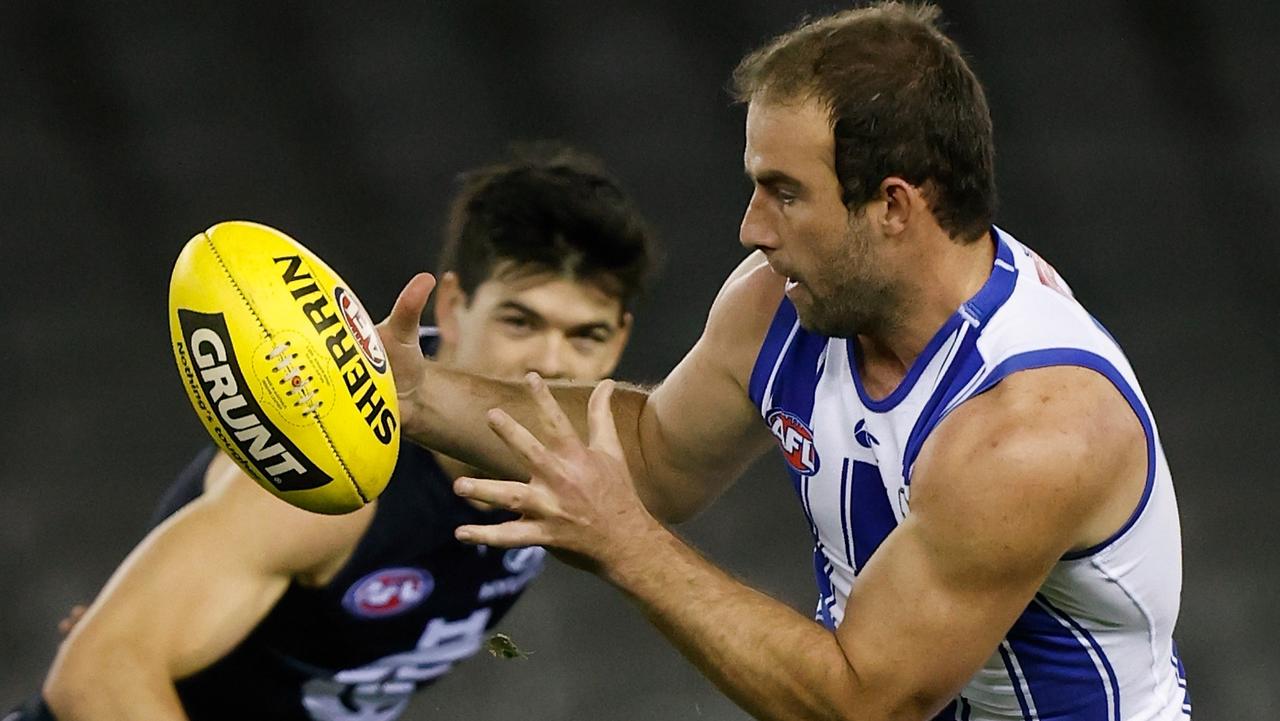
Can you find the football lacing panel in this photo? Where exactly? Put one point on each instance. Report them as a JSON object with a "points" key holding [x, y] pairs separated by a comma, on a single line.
{"points": [[299, 385]]}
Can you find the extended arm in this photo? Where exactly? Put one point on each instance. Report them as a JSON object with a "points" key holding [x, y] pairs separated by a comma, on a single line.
{"points": [[190, 592], [684, 441], [1048, 461]]}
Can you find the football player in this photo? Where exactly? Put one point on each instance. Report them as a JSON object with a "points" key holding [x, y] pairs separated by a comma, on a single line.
{"points": [[238, 606]]}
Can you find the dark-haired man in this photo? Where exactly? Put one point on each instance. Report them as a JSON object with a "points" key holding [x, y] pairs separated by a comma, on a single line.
{"points": [[995, 529], [238, 606]]}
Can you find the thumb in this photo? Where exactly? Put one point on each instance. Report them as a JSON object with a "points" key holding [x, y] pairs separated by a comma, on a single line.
{"points": [[402, 323]]}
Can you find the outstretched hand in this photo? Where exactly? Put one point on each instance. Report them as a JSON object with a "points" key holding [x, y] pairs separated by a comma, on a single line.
{"points": [[579, 501], [399, 334]]}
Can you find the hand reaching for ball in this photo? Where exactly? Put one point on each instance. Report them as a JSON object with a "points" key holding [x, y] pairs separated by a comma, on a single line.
{"points": [[399, 333]]}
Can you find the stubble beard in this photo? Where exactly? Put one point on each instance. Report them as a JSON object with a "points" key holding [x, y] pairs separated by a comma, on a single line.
{"points": [[853, 294]]}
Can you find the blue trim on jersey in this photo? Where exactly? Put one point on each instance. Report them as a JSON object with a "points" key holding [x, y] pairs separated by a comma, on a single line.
{"points": [[871, 516], [977, 311], [1181, 670], [1086, 359], [1112, 679], [794, 387], [892, 400], [826, 594], [1015, 682], [1060, 673], [845, 512], [999, 287], [967, 364], [804, 505], [784, 319]]}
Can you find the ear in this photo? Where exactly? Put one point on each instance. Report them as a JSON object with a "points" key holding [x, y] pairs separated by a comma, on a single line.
{"points": [[618, 342], [902, 200], [450, 301]]}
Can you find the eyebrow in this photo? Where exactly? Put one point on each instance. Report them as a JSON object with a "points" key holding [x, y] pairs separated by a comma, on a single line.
{"points": [[579, 328], [773, 178]]}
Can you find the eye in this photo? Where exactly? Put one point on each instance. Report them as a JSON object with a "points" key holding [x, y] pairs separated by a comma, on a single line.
{"points": [[785, 197], [516, 324], [590, 341]]}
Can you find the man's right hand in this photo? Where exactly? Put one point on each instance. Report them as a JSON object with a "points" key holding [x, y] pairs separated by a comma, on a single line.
{"points": [[399, 333]]}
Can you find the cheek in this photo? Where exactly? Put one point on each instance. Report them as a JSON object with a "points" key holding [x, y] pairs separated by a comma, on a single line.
{"points": [[491, 354], [590, 367]]}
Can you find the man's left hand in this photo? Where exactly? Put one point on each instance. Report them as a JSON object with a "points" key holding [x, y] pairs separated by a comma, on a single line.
{"points": [[580, 499]]}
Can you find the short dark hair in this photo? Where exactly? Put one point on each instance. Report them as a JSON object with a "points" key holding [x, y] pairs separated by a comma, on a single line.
{"points": [[548, 208], [902, 101]]}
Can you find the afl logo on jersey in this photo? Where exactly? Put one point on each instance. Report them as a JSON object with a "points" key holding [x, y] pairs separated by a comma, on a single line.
{"points": [[388, 592], [796, 440]]}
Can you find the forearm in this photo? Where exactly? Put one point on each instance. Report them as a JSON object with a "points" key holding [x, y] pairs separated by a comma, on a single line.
{"points": [[110, 684], [452, 407], [770, 659]]}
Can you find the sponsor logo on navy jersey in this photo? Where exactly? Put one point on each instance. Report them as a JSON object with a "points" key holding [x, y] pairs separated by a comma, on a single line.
{"points": [[388, 592], [517, 560], [523, 563], [796, 440]]}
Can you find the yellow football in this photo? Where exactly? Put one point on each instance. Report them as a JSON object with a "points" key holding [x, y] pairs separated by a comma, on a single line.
{"points": [[283, 366]]}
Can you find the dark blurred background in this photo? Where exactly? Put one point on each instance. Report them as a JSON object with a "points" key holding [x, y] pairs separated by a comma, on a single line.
{"points": [[1137, 150]]}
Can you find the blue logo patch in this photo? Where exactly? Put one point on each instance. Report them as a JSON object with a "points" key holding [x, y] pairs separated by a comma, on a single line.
{"points": [[863, 436]]}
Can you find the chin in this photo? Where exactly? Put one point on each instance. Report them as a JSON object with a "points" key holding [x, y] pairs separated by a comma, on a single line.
{"points": [[815, 321]]}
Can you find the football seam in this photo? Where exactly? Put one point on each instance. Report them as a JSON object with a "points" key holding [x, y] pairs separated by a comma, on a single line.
{"points": [[324, 432], [350, 476], [227, 271]]}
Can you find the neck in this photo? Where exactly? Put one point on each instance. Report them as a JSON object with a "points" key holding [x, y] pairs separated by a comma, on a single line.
{"points": [[946, 276]]}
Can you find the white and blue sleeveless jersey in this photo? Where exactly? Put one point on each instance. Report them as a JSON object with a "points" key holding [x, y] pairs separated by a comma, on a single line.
{"points": [[1096, 642]]}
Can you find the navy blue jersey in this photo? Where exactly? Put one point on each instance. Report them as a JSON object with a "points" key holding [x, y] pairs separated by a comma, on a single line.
{"points": [[409, 603]]}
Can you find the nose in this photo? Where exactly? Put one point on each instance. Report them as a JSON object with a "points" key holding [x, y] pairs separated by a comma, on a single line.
{"points": [[756, 231], [547, 357]]}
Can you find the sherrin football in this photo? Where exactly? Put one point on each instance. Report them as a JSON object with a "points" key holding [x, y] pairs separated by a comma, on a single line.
{"points": [[283, 366]]}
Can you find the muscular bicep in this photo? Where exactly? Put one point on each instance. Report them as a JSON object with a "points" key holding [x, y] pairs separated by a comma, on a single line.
{"points": [[708, 430], [699, 430], [998, 497]]}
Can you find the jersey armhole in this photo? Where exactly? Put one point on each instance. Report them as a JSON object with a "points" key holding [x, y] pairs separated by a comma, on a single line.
{"points": [[1086, 359], [769, 357]]}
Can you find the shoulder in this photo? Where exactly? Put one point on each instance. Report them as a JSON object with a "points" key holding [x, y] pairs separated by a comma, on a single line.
{"points": [[1034, 466], [741, 315], [751, 286], [286, 539]]}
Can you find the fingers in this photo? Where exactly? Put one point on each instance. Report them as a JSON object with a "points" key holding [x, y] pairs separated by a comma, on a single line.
{"points": [[602, 432], [520, 440], [511, 495], [512, 534], [557, 426], [407, 311]]}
